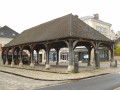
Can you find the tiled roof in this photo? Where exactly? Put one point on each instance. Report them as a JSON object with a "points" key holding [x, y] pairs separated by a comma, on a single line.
{"points": [[7, 32], [68, 26]]}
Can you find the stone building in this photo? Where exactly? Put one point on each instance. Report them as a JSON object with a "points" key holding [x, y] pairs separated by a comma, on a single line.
{"points": [[113, 35], [99, 25], [117, 35], [6, 35]]}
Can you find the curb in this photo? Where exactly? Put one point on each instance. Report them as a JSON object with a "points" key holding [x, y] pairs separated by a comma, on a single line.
{"points": [[36, 70], [51, 79], [28, 76], [89, 77]]}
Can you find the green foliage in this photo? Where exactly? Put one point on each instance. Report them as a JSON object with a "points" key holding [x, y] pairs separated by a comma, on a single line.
{"points": [[117, 50], [47, 68], [97, 68]]}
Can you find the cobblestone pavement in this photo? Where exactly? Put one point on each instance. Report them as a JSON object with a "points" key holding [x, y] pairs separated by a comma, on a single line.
{"points": [[57, 76], [12, 82]]}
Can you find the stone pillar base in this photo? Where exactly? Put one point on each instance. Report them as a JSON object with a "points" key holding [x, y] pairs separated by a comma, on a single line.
{"points": [[70, 68], [89, 64], [12, 64], [113, 64], [32, 65], [47, 66], [1, 63], [20, 64], [6, 63], [57, 63]]}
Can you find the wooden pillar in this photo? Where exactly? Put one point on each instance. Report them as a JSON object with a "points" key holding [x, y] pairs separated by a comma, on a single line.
{"points": [[6, 63], [96, 56], [32, 55], [17, 54], [21, 63], [2, 57], [57, 50], [37, 57], [1, 60], [47, 59], [70, 66], [113, 63], [32, 58], [89, 48], [47, 66], [89, 61], [12, 63]]}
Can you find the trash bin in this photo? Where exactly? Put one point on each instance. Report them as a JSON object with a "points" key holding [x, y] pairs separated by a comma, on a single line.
{"points": [[115, 63], [76, 65]]}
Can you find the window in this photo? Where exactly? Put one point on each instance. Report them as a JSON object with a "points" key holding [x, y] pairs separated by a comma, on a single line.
{"points": [[13, 34], [64, 56], [102, 30], [98, 28]]}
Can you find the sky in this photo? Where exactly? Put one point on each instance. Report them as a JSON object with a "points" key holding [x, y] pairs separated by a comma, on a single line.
{"points": [[24, 14]]}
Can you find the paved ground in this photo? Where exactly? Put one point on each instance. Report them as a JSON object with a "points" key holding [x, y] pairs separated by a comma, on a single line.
{"points": [[83, 72], [105, 82], [12, 82], [19, 83]]}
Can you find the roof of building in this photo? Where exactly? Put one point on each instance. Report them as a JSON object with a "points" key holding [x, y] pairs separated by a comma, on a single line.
{"points": [[7, 32], [91, 17], [68, 26]]}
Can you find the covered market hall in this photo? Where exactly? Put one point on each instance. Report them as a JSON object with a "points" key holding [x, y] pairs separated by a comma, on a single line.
{"points": [[67, 31]]}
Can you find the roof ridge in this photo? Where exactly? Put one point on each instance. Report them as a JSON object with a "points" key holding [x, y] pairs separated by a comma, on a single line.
{"points": [[71, 25]]}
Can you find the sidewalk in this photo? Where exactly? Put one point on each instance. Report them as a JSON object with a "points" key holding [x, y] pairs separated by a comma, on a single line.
{"points": [[42, 75]]}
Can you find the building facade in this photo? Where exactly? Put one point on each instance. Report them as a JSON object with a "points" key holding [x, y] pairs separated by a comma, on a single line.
{"points": [[6, 35], [117, 35], [99, 25], [102, 27]]}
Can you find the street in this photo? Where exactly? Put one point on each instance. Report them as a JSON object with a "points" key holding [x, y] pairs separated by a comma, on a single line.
{"points": [[105, 82]]}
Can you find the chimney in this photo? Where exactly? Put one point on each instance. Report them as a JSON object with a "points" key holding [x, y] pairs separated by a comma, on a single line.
{"points": [[96, 16], [76, 16]]}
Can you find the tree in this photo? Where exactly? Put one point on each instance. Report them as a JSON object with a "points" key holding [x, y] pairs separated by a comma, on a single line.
{"points": [[119, 38], [117, 50]]}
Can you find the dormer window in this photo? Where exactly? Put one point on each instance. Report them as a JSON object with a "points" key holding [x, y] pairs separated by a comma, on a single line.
{"points": [[2, 33], [13, 34]]}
